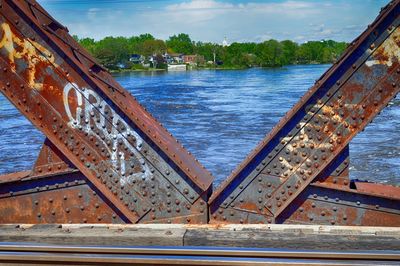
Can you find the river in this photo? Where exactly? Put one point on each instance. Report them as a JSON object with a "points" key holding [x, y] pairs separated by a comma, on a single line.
{"points": [[220, 116]]}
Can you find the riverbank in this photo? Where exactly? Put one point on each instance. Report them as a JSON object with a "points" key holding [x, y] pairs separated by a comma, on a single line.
{"points": [[137, 70], [209, 68], [188, 69]]}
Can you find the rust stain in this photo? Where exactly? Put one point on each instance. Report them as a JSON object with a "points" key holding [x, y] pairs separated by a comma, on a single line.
{"points": [[388, 52], [27, 49], [120, 148]]}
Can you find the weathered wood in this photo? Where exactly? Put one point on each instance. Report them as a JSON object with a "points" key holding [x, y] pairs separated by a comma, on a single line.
{"points": [[297, 239], [94, 236], [250, 236]]}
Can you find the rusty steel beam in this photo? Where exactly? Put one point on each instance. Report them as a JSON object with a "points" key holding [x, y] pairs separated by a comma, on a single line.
{"points": [[62, 197], [310, 142], [107, 160], [95, 124]]}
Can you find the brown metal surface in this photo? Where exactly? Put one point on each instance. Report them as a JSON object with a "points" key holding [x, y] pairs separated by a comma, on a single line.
{"points": [[94, 123], [312, 136], [107, 160], [51, 160], [66, 198]]}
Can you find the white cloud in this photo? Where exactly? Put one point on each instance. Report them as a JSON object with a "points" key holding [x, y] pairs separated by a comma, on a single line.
{"points": [[212, 20], [211, 6], [198, 5], [92, 13]]}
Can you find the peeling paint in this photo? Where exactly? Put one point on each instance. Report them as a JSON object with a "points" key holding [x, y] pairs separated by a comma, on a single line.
{"points": [[26, 49], [388, 52]]}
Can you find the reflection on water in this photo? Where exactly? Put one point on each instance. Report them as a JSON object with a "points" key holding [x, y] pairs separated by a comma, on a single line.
{"points": [[220, 116]]}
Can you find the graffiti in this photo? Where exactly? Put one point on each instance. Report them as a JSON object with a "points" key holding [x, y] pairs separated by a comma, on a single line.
{"points": [[37, 58], [83, 117], [31, 52]]}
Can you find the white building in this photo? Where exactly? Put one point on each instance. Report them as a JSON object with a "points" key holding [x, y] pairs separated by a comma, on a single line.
{"points": [[225, 43]]}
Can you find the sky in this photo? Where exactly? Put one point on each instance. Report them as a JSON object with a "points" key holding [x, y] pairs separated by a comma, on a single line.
{"points": [[213, 20]]}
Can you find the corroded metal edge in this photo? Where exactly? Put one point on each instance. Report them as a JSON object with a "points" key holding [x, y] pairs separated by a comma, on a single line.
{"points": [[232, 178], [130, 106]]}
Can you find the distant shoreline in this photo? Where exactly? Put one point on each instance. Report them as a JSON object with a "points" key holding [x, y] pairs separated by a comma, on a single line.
{"points": [[114, 71]]}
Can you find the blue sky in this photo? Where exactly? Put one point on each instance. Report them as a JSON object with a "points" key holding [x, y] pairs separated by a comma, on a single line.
{"points": [[212, 20]]}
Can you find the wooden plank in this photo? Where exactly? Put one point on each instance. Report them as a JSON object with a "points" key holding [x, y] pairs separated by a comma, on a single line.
{"points": [[291, 239], [251, 236], [94, 236]]}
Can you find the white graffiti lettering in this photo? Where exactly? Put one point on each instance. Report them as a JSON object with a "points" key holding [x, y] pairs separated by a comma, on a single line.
{"points": [[88, 103]]}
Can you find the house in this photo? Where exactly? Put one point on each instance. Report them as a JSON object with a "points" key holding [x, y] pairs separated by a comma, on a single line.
{"points": [[157, 60], [177, 58], [121, 65], [173, 58], [193, 59], [136, 59]]}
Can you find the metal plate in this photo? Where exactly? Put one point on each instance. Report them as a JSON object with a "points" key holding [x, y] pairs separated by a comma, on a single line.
{"points": [[97, 125], [315, 133]]}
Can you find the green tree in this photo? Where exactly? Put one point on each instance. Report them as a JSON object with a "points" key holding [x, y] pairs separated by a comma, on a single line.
{"points": [[135, 43], [111, 51], [289, 50], [270, 54], [180, 43], [150, 47]]}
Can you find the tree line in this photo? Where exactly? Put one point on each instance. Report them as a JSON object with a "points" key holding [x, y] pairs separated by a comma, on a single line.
{"points": [[112, 51]]}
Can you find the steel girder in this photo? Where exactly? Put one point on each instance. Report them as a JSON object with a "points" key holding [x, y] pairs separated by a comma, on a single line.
{"points": [[107, 160], [309, 145], [97, 125]]}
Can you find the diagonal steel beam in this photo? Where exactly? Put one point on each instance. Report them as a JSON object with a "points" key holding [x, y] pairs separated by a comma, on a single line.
{"points": [[317, 130], [95, 123]]}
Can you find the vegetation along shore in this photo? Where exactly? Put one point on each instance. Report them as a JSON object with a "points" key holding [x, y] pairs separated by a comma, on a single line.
{"points": [[145, 52]]}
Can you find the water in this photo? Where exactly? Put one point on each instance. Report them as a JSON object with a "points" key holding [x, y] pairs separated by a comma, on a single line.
{"points": [[220, 116]]}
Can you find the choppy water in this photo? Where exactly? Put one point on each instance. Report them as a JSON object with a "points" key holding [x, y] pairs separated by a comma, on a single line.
{"points": [[220, 116]]}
